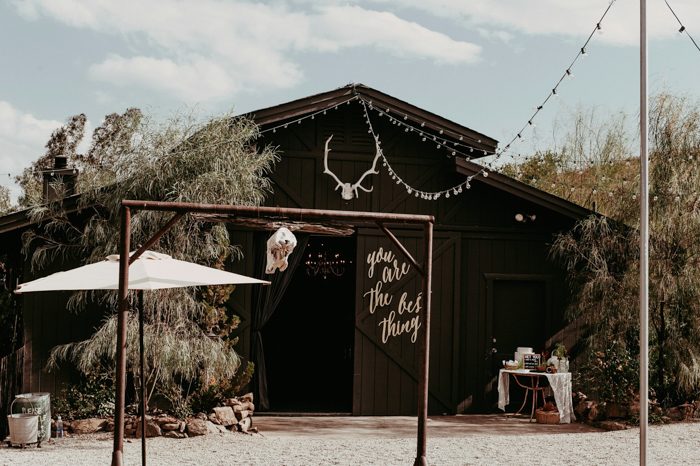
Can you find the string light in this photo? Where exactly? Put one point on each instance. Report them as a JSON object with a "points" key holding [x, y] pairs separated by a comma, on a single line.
{"points": [[682, 28], [568, 72], [446, 141], [425, 195]]}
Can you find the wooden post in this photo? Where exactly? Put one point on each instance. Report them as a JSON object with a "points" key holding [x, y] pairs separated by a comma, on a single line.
{"points": [[120, 394], [421, 459]]}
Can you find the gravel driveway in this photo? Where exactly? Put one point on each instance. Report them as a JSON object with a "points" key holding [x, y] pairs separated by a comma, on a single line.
{"points": [[384, 441]]}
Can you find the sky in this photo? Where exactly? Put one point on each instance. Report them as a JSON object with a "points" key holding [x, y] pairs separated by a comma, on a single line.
{"points": [[482, 63]]}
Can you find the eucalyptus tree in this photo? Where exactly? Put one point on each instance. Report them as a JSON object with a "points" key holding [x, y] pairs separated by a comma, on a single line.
{"points": [[182, 160]]}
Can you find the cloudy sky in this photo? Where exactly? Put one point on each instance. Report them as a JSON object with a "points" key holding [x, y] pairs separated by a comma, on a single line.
{"points": [[482, 63]]}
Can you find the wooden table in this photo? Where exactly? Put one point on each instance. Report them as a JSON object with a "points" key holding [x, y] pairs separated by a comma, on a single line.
{"points": [[530, 381]]}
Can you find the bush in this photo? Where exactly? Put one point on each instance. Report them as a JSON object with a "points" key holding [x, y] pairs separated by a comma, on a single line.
{"points": [[613, 373], [205, 399], [92, 397]]}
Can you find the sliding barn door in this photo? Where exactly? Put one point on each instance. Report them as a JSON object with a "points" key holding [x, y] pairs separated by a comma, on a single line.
{"points": [[389, 325]]}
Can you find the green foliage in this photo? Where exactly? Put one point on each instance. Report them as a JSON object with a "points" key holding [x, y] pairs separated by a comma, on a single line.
{"points": [[63, 141], [214, 394], [614, 372], [559, 351], [601, 257], [93, 396], [5, 202]]}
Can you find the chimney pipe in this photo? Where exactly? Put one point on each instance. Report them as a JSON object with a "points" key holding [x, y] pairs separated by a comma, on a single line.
{"points": [[59, 181]]}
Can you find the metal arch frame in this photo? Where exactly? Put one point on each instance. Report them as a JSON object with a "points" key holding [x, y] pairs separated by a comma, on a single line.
{"points": [[180, 209]]}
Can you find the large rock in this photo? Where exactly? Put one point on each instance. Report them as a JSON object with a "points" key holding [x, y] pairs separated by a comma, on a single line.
{"points": [[612, 425], [88, 426], [152, 429], [247, 397], [225, 416], [165, 419], [174, 434], [170, 426], [197, 427], [215, 429], [675, 414]]}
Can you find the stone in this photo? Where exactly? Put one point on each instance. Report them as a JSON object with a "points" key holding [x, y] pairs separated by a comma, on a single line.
{"points": [[109, 425], [675, 414], [165, 419], [612, 425], [212, 418], [183, 426], [245, 406], [225, 416], [247, 397], [593, 412], [88, 426], [175, 434], [197, 427], [232, 402], [201, 416], [152, 429], [213, 428], [615, 410], [243, 414], [688, 409], [170, 426]]}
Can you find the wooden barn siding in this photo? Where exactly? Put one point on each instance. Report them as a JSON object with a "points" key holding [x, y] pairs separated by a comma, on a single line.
{"points": [[241, 297], [48, 323], [11, 370], [488, 241], [504, 255]]}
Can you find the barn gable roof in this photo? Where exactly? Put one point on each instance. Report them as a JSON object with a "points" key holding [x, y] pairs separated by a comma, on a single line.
{"points": [[453, 132]]}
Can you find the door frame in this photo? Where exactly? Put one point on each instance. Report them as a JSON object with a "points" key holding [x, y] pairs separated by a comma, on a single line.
{"points": [[491, 278]]}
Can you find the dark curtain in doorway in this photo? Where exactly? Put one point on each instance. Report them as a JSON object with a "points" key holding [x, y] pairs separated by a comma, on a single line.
{"points": [[265, 302]]}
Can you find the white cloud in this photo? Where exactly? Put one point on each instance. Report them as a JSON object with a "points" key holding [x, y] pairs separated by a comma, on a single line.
{"points": [[22, 140], [569, 18], [200, 50]]}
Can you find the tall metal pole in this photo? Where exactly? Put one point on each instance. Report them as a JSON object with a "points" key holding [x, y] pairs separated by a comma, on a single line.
{"points": [[142, 376], [120, 394], [643, 240], [425, 352]]}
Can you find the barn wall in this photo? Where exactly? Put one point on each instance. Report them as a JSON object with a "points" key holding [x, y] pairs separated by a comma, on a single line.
{"points": [[477, 239]]}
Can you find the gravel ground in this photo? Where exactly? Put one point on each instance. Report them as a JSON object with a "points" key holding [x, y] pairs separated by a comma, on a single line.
{"points": [[674, 444]]}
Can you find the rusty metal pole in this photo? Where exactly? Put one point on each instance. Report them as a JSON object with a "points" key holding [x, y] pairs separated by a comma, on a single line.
{"points": [[120, 393], [421, 459]]}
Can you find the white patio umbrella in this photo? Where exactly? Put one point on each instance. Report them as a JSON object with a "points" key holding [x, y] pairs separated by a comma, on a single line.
{"points": [[151, 271]]}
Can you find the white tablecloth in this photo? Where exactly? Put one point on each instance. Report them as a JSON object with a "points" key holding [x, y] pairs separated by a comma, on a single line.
{"points": [[561, 388]]}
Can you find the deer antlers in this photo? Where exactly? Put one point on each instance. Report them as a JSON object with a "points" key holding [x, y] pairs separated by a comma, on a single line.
{"points": [[349, 191]]}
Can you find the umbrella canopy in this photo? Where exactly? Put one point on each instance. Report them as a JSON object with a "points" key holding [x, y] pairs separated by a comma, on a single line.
{"points": [[151, 271]]}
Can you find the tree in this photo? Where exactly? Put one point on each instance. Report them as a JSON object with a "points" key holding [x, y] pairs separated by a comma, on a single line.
{"points": [[5, 201], [602, 258], [64, 142], [183, 161]]}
